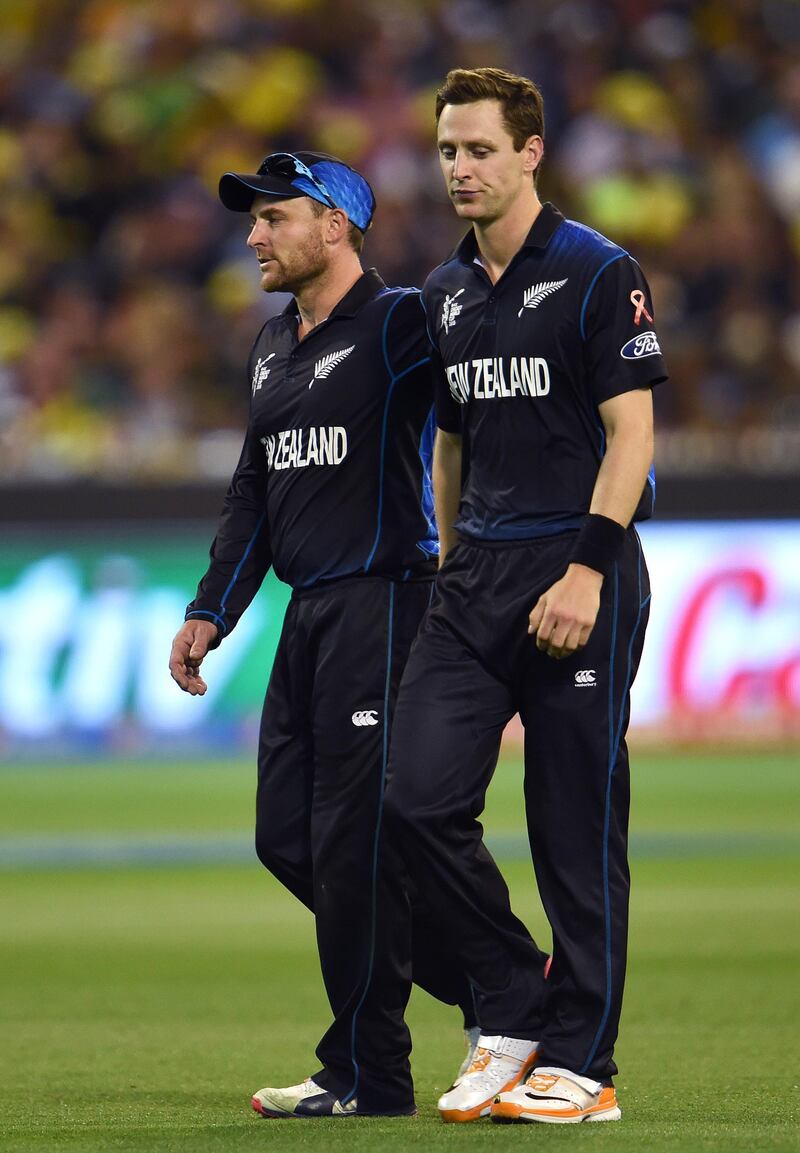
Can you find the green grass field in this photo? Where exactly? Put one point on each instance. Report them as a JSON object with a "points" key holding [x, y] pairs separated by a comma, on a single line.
{"points": [[153, 976]]}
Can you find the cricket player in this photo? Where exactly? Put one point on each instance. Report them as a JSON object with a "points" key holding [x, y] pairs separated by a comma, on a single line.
{"points": [[333, 491], [547, 354]]}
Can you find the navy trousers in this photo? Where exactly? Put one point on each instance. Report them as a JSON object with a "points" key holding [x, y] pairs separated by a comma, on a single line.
{"points": [[473, 666], [322, 765]]}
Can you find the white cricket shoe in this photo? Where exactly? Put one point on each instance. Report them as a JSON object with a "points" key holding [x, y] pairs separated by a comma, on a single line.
{"points": [[472, 1036], [498, 1064], [557, 1097], [308, 1099]]}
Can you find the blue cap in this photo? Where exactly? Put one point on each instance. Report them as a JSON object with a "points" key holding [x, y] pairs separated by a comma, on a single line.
{"points": [[287, 175]]}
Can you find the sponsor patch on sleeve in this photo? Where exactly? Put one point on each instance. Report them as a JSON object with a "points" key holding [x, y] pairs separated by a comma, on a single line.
{"points": [[638, 347]]}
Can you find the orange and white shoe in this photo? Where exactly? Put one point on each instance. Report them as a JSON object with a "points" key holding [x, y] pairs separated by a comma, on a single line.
{"points": [[557, 1097], [499, 1063], [472, 1037]]}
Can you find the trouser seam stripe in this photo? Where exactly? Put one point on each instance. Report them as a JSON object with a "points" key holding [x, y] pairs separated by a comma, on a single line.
{"points": [[615, 733], [378, 822], [606, 823]]}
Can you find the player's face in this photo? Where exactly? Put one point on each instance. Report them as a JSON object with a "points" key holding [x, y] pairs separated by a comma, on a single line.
{"points": [[485, 175], [288, 242]]}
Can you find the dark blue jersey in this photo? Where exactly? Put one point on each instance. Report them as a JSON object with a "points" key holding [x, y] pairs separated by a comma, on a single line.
{"points": [[334, 476], [523, 365]]}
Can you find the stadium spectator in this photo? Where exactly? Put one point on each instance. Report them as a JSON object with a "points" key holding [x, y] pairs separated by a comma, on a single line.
{"points": [[674, 127]]}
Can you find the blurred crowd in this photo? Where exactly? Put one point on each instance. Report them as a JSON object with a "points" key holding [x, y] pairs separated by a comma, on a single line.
{"points": [[128, 300]]}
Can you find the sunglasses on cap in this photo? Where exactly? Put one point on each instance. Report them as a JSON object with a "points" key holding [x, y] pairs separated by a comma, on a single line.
{"points": [[289, 167], [286, 175]]}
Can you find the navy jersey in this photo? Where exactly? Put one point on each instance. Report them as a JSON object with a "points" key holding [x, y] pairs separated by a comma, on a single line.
{"points": [[334, 475], [525, 363]]}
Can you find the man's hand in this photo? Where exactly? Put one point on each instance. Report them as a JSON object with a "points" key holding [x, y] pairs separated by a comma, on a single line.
{"points": [[446, 476], [563, 617], [188, 649]]}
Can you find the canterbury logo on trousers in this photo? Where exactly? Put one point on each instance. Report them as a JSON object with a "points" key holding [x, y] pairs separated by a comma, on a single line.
{"points": [[365, 717]]}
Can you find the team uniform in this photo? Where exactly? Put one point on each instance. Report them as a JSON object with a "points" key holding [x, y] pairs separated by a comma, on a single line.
{"points": [[524, 364], [333, 490]]}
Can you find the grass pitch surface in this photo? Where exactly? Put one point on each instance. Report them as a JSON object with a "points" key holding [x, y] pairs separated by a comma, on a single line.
{"points": [[146, 994]]}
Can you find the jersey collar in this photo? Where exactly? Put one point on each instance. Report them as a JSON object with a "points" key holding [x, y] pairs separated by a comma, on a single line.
{"points": [[367, 286], [539, 236]]}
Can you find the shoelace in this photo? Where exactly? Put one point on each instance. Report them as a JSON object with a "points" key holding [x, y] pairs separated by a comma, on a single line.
{"points": [[481, 1062], [489, 1070], [541, 1082]]}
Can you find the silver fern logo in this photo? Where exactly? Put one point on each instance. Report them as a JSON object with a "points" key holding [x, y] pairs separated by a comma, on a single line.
{"points": [[324, 367], [532, 297]]}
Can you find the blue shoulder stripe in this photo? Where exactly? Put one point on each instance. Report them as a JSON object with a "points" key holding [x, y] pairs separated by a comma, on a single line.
{"points": [[590, 289], [393, 379]]}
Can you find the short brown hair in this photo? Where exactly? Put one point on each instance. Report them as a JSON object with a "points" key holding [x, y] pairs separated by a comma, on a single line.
{"points": [[519, 98], [355, 237]]}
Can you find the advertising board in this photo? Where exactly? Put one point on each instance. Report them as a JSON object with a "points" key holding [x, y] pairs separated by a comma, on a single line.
{"points": [[88, 621]]}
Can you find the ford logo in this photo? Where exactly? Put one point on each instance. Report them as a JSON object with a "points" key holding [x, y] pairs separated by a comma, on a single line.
{"points": [[645, 344]]}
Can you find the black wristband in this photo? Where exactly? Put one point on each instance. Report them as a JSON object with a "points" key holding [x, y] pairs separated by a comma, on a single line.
{"points": [[599, 543]]}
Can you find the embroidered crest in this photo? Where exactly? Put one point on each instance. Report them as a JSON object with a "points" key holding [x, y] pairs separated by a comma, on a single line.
{"points": [[532, 297], [450, 310], [261, 372], [324, 367]]}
